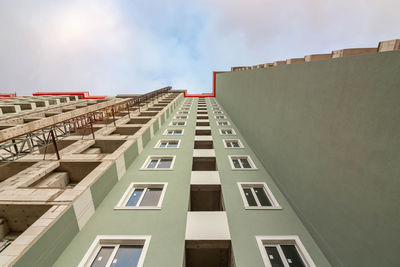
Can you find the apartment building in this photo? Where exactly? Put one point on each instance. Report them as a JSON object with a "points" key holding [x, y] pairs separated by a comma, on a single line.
{"points": [[287, 164]]}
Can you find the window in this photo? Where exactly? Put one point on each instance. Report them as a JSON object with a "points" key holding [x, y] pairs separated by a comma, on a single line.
{"points": [[283, 251], [185, 109], [180, 117], [143, 196], [241, 162], [177, 123], [220, 117], [218, 112], [257, 196], [227, 132], [232, 143], [116, 251], [173, 132], [159, 163], [222, 123], [168, 144], [183, 112]]}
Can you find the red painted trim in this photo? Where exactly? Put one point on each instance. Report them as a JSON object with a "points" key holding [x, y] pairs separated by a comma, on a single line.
{"points": [[8, 95], [83, 94], [214, 92]]}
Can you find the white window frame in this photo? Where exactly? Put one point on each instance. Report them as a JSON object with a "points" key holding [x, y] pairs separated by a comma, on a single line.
{"points": [[274, 203], [183, 113], [184, 109], [151, 157], [171, 123], [220, 117], [219, 112], [227, 140], [263, 241], [115, 240], [166, 132], [228, 123], [157, 146], [180, 117], [128, 193], [225, 129], [253, 166]]}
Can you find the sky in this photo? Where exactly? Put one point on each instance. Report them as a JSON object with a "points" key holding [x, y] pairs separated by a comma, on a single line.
{"points": [[110, 47]]}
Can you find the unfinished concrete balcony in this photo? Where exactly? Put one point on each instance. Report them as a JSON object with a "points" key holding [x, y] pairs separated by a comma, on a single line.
{"points": [[103, 147], [155, 108], [109, 120], [6, 126], [13, 168], [61, 144], [147, 114], [51, 114], [166, 102], [21, 225], [124, 130], [27, 120], [15, 219], [138, 121], [20, 179], [8, 108], [160, 105], [87, 131], [66, 175]]}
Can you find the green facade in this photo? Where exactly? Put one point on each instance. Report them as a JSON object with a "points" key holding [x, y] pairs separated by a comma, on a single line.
{"points": [[328, 133], [167, 226]]}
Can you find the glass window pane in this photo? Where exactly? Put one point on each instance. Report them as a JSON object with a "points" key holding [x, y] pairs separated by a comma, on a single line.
{"points": [[152, 164], [262, 196], [134, 197], [163, 144], [235, 144], [273, 256], [245, 163], [127, 256], [173, 144], [250, 198], [164, 163], [151, 197], [229, 144], [236, 163], [102, 257], [170, 132], [292, 256]]}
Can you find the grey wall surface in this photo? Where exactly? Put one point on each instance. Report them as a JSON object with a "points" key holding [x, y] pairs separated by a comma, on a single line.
{"points": [[328, 132]]}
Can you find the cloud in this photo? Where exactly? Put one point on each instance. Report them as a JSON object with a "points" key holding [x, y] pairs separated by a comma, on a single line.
{"points": [[110, 47]]}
